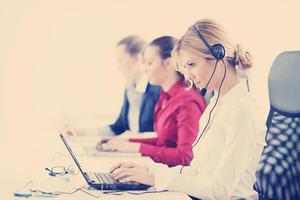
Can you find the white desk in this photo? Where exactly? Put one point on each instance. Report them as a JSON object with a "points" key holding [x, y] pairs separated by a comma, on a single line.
{"points": [[21, 167]]}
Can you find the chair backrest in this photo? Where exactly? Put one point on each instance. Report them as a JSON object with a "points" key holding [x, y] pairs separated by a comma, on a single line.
{"points": [[278, 175]]}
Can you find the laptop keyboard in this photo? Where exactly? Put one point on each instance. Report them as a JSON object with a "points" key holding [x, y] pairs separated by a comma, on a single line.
{"points": [[103, 178]]}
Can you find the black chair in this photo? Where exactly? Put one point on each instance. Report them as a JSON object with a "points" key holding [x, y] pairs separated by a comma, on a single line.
{"points": [[278, 175]]}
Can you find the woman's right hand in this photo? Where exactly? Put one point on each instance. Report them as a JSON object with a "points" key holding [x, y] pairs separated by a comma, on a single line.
{"points": [[103, 140], [128, 165], [132, 172]]}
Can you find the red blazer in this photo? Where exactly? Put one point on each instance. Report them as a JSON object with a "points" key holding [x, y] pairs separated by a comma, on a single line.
{"points": [[176, 123]]}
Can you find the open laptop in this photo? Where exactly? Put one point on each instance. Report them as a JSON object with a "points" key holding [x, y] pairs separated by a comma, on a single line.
{"points": [[102, 181], [87, 144]]}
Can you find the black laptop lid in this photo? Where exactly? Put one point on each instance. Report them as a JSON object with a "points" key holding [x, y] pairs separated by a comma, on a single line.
{"points": [[73, 155]]}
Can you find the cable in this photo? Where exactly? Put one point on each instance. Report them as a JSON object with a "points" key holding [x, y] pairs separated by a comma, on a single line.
{"points": [[55, 193], [209, 115], [72, 191], [121, 192], [17, 192], [204, 90]]}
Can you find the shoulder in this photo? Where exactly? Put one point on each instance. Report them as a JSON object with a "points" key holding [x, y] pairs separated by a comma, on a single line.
{"points": [[189, 99], [244, 109], [249, 108], [153, 89], [191, 95], [245, 117]]}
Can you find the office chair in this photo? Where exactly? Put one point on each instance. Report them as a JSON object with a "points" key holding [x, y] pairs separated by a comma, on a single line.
{"points": [[278, 175]]}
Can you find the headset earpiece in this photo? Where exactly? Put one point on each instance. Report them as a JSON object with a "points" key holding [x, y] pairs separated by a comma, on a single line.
{"points": [[218, 51]]}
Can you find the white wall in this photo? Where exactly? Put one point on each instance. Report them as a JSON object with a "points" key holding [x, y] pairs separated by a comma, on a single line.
{"points": [[57, 56]]}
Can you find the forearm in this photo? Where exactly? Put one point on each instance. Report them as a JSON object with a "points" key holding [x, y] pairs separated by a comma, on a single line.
{"points": [[167, 155], [190, 181], [134, 147], [151, 141], [143, 135]]}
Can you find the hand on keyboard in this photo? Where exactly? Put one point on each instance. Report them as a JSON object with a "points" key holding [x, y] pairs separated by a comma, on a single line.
{"points": [[131, 172], [102, 141]]}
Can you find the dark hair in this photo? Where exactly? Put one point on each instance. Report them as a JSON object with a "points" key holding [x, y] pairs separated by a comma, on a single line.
{"points": [[165, 45], [133, 44]]}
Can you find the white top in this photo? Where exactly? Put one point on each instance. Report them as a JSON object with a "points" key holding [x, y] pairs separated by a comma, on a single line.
{"points": [[135, 98], [227, 155]]}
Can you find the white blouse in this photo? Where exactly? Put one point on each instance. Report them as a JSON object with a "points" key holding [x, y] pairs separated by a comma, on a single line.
{"points": [[135, 99], [227, 155]]}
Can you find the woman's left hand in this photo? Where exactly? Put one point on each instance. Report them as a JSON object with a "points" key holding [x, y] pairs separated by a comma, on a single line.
{"points": [[134, 174], [120, 145]]}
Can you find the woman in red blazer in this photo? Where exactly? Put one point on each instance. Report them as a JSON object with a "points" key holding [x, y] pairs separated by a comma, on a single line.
{"points": [[177, 112]]}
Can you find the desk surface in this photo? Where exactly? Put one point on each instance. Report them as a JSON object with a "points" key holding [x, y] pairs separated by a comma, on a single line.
{"points": [[28, 165]]}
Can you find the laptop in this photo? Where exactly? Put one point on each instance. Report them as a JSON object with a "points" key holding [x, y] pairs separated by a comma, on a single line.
{"points": [[102, 181], [87, 144], [90, 150]]}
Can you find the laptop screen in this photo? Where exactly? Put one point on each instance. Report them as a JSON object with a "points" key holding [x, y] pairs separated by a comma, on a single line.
{"points": [[72, 154]]}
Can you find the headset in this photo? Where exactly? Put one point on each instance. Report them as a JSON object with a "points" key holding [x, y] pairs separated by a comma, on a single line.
{"points": [[218, 51]]}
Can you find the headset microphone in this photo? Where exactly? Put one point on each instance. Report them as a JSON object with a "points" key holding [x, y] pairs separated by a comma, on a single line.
{"points": [[204, 90], [217, 50]]}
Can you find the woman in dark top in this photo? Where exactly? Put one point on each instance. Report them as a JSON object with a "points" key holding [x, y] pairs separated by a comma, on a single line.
{"points": [[140, 97]]}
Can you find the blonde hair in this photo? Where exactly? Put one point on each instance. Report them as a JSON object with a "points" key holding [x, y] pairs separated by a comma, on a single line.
{"points": [[213, 34]]}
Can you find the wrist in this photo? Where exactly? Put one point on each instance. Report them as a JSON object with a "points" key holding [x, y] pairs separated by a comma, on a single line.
{"points": [[136, 147]]}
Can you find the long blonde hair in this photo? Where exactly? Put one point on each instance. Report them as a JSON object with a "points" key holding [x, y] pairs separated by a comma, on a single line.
{"points": [[213, 34]]}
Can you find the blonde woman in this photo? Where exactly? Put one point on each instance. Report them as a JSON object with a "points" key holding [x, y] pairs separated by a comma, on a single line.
{"points": [[232, 132]]}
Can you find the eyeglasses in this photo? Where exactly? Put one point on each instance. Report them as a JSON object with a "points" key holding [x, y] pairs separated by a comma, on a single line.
{"points": [[61, 170]]}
